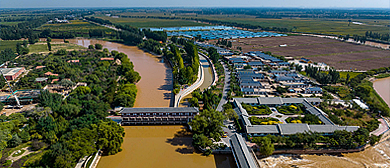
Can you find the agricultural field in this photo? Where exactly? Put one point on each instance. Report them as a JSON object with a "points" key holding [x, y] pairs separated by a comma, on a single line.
{"points": [[42, 47], [151, 22], [73, 26], [9, 44], [325, 26], [340, 55]]}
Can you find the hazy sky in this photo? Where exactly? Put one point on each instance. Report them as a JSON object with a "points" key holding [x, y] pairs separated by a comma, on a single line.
{"points": [[196, 3]]}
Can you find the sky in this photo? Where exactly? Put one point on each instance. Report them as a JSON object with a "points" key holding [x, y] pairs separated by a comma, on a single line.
{"points": [[196, 3]]}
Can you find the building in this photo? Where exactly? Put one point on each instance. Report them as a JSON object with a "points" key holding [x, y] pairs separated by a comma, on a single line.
{"points": [[40, 80], [289, 129], [73, 61], [12, 73], [242, 155], [158, 115], [50, 74], [313, 90], [107, 59]]}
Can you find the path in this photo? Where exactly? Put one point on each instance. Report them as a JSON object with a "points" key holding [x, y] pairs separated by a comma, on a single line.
{"points": [[383, 127], [191, 88], [28, 151], [275, 113], [226, 87]]}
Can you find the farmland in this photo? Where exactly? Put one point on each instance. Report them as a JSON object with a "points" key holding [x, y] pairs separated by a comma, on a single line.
{"points": [[340, 55], [74, 25], [9, 44], [151, 22]]}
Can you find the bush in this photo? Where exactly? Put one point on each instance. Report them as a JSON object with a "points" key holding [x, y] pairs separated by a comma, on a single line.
{"points": [[90, 47], [98, 46]]}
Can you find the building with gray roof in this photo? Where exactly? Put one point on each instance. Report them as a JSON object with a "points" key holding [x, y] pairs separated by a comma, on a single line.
{"points": [[243, 157]]}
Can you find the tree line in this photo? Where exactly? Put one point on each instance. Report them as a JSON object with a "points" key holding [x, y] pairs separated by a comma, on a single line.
{"points": [[321, 77]]}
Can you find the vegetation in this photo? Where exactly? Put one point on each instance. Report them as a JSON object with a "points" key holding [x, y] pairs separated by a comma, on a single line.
{"points": [[264, 121], [312, 140], [324, 78], [257, 110], [74, 127], [291, 109], [308, 119]]}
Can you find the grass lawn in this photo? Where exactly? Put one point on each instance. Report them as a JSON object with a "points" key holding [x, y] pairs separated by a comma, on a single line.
{"points": [[289, 110], [21, 153], [351, 74], [9, 44], [151, 22]]}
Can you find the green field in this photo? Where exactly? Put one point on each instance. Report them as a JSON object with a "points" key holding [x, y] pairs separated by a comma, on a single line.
{"points": [[8, 44], [351, 74], [75, 25], [151, 22], [326, 26], [42, 47]]}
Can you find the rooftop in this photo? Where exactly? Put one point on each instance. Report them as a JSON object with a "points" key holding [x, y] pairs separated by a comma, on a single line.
{"points": [[10, 71], [243, 157], [160, 110]]}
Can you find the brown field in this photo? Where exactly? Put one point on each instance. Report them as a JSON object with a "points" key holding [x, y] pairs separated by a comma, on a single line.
{"points": [[340, 55]]}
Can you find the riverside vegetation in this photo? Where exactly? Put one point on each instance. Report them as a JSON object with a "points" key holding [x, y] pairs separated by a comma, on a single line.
{"points": [[66, 130]]}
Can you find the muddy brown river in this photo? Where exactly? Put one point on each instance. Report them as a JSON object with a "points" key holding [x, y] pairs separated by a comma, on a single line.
{"points": [[154, 146]]}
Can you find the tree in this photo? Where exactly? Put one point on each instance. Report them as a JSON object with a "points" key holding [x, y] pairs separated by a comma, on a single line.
{"points": [[66, 83], [110, 137], [124, 100], [19, 48], [98, 46], [201, 140], [90, 47], [15, 141], [24, 136], [266, 147], [48, 43], [209, 123]]}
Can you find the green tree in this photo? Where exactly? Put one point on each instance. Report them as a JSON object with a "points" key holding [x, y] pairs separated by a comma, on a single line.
{"points": [[15, 141], [98, 46], [91, 47], [209, 123], [110, 137], [266, 147]]}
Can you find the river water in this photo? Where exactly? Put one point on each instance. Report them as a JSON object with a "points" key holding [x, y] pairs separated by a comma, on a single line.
{"points": [[154, 146]]}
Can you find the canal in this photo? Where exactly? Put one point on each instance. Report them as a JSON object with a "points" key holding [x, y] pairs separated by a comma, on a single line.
{"points": [[154, 146]]}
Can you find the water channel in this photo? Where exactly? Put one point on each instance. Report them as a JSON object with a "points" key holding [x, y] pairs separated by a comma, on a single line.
{"points": [[154, 146]]}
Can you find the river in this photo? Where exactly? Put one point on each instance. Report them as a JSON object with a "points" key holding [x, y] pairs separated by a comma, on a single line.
{"points": [[154, 146]]}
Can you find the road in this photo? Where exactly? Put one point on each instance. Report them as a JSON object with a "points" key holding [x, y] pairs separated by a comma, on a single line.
{"points": [[226, 87]]}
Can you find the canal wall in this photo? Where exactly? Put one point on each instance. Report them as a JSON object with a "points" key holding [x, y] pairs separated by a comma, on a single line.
{"points": [[215, 75]]}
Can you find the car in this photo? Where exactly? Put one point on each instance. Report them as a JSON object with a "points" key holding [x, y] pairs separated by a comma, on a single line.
{"points": [[224, 135]]}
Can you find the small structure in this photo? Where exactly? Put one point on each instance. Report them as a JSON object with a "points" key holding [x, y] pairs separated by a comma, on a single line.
{"points": [[361, 104], [107, 59], [54, 80], [50, 74], [73, 61], [12, 73], [40, 80], [39, 67]]}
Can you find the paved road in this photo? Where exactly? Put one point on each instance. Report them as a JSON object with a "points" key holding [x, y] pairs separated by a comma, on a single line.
{"points": [[225, 88]]}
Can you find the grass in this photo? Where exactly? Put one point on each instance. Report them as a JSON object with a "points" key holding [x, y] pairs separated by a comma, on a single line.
{"points": [[9, 44], [75, 25], [351, 74], [264, 121], [19, 147], [21, 153], [34, 158], [385, 75], [39, 47], [151, 22], [289, 110]]}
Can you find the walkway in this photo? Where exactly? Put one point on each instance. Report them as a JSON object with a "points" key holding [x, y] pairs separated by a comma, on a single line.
{"points": [[383, 127], [191, 88], [225, 88]]}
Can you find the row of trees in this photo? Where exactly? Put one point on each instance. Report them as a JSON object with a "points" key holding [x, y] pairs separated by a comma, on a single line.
{"points": [[380, 36], [183, 74], [321, 77], [313, 140]]}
